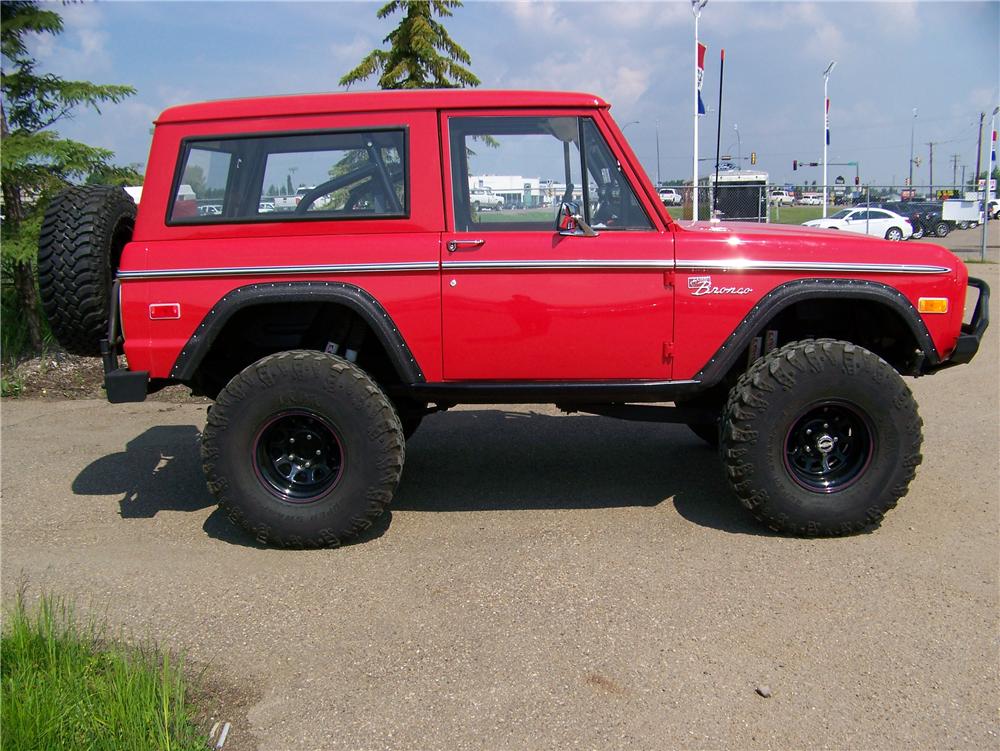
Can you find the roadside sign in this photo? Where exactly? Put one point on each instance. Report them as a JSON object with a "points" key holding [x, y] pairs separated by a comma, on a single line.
{"points": [[993, 183]]}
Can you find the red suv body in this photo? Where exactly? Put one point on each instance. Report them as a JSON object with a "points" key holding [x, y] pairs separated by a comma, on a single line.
{"points": [[385, 264]]}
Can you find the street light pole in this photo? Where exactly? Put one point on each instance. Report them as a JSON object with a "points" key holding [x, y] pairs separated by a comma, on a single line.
{"points": [[826, 124], [991, 145], [739, 147], [913, 123], [696, 6]]}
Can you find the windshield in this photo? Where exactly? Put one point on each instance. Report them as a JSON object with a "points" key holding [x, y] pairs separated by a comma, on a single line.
{"points": [[842, 214]]}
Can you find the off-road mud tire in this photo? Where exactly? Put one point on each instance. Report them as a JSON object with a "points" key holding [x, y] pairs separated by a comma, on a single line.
{"points": [[335, 394], [769, 403], [82, 236]]}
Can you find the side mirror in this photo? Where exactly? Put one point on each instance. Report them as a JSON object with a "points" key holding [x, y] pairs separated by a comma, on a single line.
{"points": [[570, 223]]}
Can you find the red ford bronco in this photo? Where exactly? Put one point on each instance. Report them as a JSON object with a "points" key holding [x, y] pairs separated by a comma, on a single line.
{"points": [[325, 332]]}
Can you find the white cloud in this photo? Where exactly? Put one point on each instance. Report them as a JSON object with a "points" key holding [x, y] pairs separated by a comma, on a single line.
{"points": [[81, 51]]}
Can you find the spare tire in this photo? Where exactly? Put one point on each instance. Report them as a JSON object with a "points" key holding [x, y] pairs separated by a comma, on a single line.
{"points": [[83, 233]]}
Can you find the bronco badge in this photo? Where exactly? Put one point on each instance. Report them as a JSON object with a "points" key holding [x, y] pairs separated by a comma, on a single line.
{"points": [[702, 285]]}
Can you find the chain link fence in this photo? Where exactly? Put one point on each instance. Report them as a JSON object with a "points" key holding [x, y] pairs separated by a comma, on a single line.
{"points": [[961, 208]]}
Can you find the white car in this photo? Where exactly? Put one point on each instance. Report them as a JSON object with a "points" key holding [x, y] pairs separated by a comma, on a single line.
{"points": [[485, 198], [782, 198], [811, 199], [670, 196], [874, 222]]}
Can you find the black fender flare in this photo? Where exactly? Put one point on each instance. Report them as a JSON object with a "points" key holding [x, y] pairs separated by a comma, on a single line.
{"points": [[790, 293], [348, 295]]}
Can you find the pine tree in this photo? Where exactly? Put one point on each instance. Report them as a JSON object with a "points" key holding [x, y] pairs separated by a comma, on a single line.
{"points": [[421, 54], [34, 161]]}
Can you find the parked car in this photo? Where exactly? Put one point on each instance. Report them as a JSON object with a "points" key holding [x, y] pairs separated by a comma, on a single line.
{"points": [[670, 196], [485, 198], [811, 199], [993, 208], [867, 221], [326, 334], [265, 207], [290, 203], [781, 198]]}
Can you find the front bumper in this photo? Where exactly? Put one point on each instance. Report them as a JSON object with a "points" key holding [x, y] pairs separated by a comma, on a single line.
{"points": [[972, 333]]}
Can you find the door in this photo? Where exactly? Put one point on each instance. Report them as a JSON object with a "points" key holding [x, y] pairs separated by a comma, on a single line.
{"points": [[520, 301]]}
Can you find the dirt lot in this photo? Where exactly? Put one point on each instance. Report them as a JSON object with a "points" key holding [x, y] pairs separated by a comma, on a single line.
{"points": [[545, 581]]}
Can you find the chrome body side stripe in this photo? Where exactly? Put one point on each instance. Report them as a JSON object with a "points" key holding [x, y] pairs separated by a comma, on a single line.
{"points": [[734, 265], [346, 268], [739, 264], [543, 265]]}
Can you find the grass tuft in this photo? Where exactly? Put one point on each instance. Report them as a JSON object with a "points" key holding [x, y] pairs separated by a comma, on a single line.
{"points": [[65, 686]]}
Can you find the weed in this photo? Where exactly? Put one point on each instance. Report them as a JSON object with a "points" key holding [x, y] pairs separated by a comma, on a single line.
{"points": [[66, 686]]}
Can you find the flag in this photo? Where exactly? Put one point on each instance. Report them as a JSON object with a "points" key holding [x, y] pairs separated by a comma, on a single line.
{"points": [[993, 148], [700, 75], [827, 121]]}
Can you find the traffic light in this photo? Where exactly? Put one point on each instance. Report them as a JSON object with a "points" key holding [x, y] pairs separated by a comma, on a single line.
{"points": [[795, 164], [753, 157]]}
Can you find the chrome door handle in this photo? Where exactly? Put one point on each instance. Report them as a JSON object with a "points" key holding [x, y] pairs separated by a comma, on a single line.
{"points": [[454, 245]]}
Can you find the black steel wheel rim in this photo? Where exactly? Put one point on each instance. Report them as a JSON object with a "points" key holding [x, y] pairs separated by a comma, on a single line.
{"points": [[298, 456], [829, 447]]}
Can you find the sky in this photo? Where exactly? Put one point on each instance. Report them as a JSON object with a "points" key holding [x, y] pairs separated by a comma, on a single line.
{"points": [[941, 57]]}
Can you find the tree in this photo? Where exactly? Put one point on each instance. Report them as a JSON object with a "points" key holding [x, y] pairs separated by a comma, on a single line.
{"points": [[34, 161], [421, 54]]}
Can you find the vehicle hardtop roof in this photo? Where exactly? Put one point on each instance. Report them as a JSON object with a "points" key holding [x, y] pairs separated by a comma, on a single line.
{"points": [[371, 101]]}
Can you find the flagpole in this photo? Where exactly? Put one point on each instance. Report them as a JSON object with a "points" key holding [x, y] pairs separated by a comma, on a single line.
{"points": [[696, 6], [718, 134], [826, 125]]}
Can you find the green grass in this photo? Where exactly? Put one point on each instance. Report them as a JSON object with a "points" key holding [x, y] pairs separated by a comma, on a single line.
{"points": [[65, 686], [779, 214]]}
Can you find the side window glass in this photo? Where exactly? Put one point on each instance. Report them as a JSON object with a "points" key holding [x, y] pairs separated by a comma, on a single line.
{"points": [[613, 203], [341, 175], [511, 173], [202, 189]]}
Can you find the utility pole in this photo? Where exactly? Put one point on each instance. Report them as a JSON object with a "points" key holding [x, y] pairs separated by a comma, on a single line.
{"points": [[963, 178], [979, 146], [930, 145], [912, 126], [954, 169], [657, 154]]}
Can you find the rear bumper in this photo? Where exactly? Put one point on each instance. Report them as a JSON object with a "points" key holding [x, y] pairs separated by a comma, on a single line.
{"points": [[120, 384]]}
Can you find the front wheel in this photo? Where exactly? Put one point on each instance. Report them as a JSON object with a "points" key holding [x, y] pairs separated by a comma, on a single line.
{"points": [[895, 234], [941, 229], [918, 231], [303, 450], [820, 437]]}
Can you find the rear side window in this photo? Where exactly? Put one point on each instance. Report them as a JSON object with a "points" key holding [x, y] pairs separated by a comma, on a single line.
{"points": [[341, 175]]}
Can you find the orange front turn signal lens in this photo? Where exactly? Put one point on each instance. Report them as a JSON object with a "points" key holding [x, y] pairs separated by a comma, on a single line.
{"points": [[932, 304]]}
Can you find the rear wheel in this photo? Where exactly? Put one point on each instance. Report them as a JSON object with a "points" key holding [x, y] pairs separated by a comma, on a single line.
{"points": [[941, 229], [302, 449], [820, 438], [80, 244], [895, 234]]}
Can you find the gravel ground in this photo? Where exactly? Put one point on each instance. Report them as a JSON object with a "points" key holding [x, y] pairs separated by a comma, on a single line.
{"points": [[544, 581]]}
